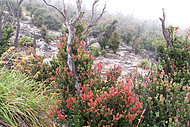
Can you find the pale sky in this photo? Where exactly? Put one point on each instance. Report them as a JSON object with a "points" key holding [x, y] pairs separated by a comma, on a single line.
{"points": [[177, 11]]}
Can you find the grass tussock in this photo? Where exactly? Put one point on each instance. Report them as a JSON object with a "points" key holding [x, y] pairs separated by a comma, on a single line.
{"points": [[23, 102]]}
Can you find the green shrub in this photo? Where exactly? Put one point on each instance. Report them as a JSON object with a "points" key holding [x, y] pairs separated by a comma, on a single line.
{"points": [[165, 91], [114, 41], [25, 41], [103, 52], [165, 102], [104, 41], [7, 32], [176, 57], [29, 64], [94, 51], [145, 64], [41, 17], [136, 45], [44, 31]]}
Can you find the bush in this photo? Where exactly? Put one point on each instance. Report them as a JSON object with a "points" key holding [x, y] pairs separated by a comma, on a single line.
{"points": [[94, 51], [25, 41], [7, 32], [114, 41], [165, 102], [165, 91], [29, 64], [97, 102], [145, 64], [104, 41], [41, 17], [176, 58], [136, 45], [103, 52]]}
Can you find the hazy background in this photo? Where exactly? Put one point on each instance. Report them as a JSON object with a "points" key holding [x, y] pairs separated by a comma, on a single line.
{"points": [[177, 11]]}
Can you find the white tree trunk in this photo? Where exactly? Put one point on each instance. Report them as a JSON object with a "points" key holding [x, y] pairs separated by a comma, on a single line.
{"points": [[70, 59]]}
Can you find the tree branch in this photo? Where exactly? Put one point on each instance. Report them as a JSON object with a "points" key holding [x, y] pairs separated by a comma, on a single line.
{"points": [[91, 21], [56, 9], [79, 13], [165, 33], [99, 36]]}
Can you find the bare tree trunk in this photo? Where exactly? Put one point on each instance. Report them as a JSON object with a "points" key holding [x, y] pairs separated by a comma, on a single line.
{"points": [[1, 18], [34, 42], [165, 33], [18, 23], [71, 27]]}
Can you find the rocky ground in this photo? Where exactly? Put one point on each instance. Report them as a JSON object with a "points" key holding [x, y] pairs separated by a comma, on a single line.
{"points": [[125, 56]]}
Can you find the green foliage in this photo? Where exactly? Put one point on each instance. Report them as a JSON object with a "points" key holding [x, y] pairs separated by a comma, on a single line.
{"points": [[114, 41], [136, 45], [25, 41], [104, 41], [42, 16], [7, 32], [94, 51], [96, 102], [103, 52], [176, 58], [29, 64], [79, 29], [145, 64], [165, 101], [23, 102], [44, 31], [47, 37], [165, 91]]}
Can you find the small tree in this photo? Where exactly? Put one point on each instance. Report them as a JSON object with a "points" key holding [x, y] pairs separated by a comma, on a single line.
{"points": [[114, 41]]}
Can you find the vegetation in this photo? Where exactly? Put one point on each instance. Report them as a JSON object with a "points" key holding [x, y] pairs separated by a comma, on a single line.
{"points": [[145, 64], [94, 51], [35, 93], [7, 32], [25, 41], [24, 102], [41, 16]]}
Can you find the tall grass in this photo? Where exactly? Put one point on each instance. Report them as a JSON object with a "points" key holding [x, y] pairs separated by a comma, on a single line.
{"points": [[22, 101]]}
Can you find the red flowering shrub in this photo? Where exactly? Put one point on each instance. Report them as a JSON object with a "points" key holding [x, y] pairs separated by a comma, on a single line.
{"points": [[165, 101], [102, 100]]}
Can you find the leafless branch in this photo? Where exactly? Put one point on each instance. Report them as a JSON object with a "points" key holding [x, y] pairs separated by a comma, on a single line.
{"points": [[91, 24], [99, 37], [56, 9], [165, 33], [93, 31], [12, 12], [79, 13]]}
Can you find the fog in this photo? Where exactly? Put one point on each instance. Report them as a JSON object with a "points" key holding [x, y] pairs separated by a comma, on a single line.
{"points": [[176, 10]]}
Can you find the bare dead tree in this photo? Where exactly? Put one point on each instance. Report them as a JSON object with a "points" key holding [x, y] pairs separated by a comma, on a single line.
{"points": [[71, 27], [12, 13], [165, 33], [34, 42], [18, 23], [1, 18]]}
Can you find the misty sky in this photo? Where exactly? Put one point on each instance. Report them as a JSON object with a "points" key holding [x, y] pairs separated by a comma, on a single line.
{"points": [[177, 11]]}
